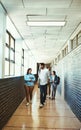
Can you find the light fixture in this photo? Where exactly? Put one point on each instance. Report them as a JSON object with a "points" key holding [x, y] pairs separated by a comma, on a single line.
{"points": [[45, 23]]}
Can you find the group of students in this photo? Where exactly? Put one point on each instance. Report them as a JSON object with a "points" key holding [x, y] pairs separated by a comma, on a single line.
{"points": [[44, 78]]}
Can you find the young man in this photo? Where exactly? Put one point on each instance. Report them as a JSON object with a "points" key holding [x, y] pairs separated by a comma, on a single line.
{"points": [[43, 81]]}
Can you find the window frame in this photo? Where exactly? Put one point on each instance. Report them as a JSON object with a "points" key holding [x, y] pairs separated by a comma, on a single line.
{"points": [[11, 50], [22, 63]]}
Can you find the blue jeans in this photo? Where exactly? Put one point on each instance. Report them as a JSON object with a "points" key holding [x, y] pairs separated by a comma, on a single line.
{"points": [[43, 92], [53, 90]]}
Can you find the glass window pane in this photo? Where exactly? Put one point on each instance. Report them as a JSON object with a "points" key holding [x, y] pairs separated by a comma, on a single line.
{"points": [[7, 38], [22, 70], [7, 52], [22, 52], [74, 42], [22, 61], [12, 43], [79, 38], [12, 65], [6, 67], [11, 55]]}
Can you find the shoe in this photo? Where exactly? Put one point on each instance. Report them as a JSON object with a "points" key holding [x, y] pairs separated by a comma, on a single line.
{"points": [[53, 98], [27, 103], [50, 97], [44, 103], [41, 105]]}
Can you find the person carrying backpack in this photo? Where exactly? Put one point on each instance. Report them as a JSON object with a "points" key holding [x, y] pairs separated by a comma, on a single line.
{"points": [[54, 82]]}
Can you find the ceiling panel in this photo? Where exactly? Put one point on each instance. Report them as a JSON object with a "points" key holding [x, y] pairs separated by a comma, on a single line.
{"points": [[44, 42], [47, 3], [12, 3]]}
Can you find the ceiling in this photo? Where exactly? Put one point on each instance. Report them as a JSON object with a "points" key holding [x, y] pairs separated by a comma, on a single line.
{"points": [[44, 42]]}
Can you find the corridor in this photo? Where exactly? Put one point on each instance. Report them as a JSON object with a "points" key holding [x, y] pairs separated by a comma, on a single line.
{"points": [[55, 115], [34, 32]]}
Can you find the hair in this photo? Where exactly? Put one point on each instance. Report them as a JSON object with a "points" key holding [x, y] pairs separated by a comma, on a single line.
{"points": [[28, 70], [54, 72], [42, 64]]}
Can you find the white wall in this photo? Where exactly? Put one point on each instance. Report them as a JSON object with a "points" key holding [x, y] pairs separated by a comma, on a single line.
{"points": [[32, 64], [26, 61], [2, 40], [29, 62], [18, 57]]}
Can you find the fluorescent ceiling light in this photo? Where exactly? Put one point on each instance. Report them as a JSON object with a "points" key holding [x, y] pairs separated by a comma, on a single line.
{"points": [[45, 23]]}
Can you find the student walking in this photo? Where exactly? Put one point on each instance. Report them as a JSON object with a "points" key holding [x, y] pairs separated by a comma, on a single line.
{"points": [[29, 85], [43, 81], [53, 81]]}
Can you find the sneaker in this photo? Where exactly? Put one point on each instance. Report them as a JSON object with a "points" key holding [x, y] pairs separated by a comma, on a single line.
{"points": [[41, 105], [27, 103], [50, 98], [44, 103]]}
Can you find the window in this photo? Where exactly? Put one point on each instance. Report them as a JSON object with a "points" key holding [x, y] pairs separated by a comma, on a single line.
{"points": [[9, 55], [79, 38], [22, 61], [59, 57], [62, 53], [55, 60], [74, 42], [65, 51]]}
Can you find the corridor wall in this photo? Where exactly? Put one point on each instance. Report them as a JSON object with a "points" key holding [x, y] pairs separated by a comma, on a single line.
{"points": [[11, 95], [69, 69]]}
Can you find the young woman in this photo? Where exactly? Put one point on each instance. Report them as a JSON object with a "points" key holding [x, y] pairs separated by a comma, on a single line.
{"points": [[53, 81], [29, 85]]}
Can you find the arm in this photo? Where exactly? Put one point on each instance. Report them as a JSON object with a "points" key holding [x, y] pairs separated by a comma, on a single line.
{"points": [[27, 78], [51, 81], [33, 78]]}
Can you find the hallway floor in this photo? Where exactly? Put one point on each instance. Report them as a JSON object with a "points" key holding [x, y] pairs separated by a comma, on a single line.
{"points": [[55, 115]]}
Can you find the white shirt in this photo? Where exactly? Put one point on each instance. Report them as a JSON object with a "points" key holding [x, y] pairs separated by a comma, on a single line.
{"points": [[43, 76]]}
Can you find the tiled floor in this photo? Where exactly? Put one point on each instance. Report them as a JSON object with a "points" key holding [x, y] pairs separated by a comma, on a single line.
{"points": [[55, 115]]}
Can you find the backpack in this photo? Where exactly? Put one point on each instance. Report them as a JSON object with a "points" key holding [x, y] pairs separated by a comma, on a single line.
{"points": [[58, 80]]}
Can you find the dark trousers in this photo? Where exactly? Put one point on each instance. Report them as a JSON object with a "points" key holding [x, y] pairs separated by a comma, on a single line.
{"points": [[43, 92]]}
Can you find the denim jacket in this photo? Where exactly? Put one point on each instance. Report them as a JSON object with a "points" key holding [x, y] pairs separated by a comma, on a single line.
{"points": [[55, 80]]}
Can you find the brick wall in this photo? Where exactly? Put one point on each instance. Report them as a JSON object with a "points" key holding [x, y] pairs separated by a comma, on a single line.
{"points": [[11, 95], [69, 69]]}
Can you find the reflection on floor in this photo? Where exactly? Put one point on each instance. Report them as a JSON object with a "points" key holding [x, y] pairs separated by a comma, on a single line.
{"points": [[55, 115]]}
